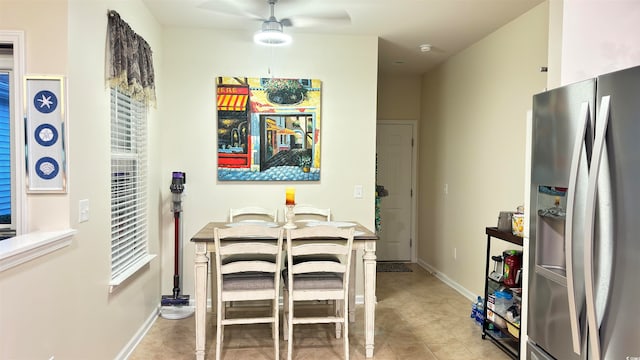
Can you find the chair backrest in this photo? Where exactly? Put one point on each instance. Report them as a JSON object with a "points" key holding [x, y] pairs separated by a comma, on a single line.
{"points": [[253, 248], [253, 213], [310, 213], [326, 250]]}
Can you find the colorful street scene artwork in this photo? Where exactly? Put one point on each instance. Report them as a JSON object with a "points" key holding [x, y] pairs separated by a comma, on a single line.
{"points": [[268, 129]]}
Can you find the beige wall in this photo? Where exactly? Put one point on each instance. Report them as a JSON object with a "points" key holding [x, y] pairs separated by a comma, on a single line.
{"points": [[347, 67], [63, 299], [399, 97], [59, 304], [599, 37], [472, 140], [554, 62], [45, 32]]}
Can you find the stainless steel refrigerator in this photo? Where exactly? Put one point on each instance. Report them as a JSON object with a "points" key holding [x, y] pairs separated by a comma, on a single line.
{"points": [[584, 230]]}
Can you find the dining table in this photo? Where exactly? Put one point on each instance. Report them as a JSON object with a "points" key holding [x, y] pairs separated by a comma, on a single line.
{"points": [[364, 239]]}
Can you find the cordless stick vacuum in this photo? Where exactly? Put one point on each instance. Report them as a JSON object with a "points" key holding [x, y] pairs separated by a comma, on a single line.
{"points": [[176, 299]]}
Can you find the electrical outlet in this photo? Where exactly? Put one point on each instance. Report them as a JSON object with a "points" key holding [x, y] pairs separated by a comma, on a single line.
{"points": [[455, 253], [446, 189]]}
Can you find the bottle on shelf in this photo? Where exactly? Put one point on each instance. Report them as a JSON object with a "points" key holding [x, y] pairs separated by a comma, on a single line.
{"points": [[474, 309], [480, 311]]}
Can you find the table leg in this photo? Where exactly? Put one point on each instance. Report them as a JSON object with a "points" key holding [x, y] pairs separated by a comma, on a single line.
{"points": [[369, 258], [213, 284], [200, 272], [352, 287]]}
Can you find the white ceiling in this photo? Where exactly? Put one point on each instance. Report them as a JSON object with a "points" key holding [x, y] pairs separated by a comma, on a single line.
{"points": [[402, 26]]}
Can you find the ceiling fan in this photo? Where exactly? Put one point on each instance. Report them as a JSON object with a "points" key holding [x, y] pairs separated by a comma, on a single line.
{"points": [[272, 29], [300, 14]]}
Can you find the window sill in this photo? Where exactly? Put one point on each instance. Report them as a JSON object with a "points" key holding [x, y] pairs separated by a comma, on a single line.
{"points": [[117, 281], [22, 248]]}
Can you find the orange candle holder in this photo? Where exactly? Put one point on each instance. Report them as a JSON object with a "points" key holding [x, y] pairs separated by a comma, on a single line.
{"points": [[290, 224], [290, 196], [290, 201]]}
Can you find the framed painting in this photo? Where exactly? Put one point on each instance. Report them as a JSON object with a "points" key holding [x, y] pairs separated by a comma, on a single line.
{"points": [[45, 133], [268, 129]]}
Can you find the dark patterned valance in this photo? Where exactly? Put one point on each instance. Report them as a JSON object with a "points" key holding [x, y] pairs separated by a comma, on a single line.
{"points": [[129, 61]]}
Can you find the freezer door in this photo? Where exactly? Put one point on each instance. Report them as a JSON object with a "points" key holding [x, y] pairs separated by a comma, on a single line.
{"points": [[536, 353], [548, 317], [616, 244]]}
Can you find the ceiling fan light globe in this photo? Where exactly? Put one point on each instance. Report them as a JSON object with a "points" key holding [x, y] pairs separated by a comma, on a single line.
{"points": [[271, 38]]}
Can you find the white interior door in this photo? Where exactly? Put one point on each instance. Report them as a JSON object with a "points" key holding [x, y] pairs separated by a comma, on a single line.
{"points": [[395, 172]]}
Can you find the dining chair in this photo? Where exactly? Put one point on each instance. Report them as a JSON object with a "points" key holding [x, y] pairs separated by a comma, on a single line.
{"points": [[247, 214], [310, 213], [253, 275], [253, 213], [318, 279]]}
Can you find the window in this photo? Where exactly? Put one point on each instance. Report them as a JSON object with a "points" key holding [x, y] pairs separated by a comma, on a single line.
{"points": [[5, 152], [129, 248], [7, 166], [24, 246]]}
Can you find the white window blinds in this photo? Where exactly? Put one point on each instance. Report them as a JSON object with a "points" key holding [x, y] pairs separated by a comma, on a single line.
{"points": [[5, 152], [128, 184]]}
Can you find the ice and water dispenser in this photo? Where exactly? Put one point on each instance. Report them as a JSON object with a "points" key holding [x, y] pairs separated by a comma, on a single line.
{"points": [[550, 229]]}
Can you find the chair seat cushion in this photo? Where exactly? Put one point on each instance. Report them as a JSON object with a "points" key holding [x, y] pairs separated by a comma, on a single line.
{"points": [[248, 257], [321, 257], [248, 281], [316, 280], [316, 257]]}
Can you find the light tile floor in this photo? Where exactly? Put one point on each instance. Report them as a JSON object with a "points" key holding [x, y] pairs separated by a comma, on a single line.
{"points": [[417, 317]]}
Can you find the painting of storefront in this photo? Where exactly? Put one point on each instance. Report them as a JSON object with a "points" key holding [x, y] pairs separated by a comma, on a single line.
{"points": [[268, 129]]}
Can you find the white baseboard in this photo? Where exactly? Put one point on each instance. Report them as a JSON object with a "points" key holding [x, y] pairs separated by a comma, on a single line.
{"points": [[139, 335], [459, 288]]}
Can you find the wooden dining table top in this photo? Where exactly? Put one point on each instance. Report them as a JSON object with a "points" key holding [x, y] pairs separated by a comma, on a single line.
{"points": [[206, 233]]}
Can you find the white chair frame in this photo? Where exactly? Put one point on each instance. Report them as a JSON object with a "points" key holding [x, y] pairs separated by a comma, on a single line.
{"points": [[254, 212], [318, 241], [251, 243], [308, 213]]}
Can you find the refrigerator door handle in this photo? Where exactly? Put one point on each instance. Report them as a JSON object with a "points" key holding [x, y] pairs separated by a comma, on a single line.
{"points": [[592, 192], [576, 158]]}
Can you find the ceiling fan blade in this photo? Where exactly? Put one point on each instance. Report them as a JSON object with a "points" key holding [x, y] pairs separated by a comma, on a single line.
{"points": [[313, 13], [244, 8], [334, 17]]}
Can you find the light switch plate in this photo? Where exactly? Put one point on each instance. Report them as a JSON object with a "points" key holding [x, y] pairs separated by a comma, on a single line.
{"points": [[83, 210], [357, 191]]}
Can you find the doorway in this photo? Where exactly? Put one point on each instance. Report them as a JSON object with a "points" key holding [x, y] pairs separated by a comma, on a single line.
{"points": [[396, 158]]}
